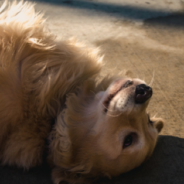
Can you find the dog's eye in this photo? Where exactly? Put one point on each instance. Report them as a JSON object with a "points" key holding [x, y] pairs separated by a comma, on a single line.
{"points": [[128, 141]]}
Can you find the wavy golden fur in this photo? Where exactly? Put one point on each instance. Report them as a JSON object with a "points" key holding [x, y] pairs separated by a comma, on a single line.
{"points": [[43, 80]]}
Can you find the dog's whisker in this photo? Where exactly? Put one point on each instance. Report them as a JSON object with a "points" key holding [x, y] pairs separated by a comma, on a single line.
{"points": [[143, 78], [114, 115], [152, 79], [155, 115], [111, 111], [107, 108]]}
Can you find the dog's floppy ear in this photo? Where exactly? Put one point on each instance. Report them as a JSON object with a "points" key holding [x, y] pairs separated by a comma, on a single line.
{"points": [[60, 143], [158, 123], [62, 153]]}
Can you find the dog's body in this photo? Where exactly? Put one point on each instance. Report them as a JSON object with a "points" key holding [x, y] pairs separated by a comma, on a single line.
{"points": [[42, 80]]}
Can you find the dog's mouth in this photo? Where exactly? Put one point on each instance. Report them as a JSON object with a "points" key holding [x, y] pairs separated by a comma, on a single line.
{"points": [[117, 89], [142, 93]]}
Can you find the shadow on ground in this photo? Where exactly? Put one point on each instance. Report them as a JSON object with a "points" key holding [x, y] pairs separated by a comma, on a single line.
{"points": [[133, 12], [165, 166], [175, 20]]}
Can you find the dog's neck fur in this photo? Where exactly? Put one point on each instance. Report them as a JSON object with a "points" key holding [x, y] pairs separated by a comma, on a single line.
{"points": [[71, 116]]}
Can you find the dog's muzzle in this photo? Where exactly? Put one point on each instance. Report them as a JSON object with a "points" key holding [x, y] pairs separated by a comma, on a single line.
{"points": [[142, 93]]}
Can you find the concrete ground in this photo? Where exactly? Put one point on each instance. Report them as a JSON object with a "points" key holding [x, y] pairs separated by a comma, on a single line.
{"points": [[145, 39]]}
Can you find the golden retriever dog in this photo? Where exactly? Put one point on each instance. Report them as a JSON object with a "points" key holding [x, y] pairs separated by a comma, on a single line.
{"points": [[52, 101]]}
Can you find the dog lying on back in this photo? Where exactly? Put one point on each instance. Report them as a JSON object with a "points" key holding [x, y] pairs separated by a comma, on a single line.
{"points": [[51, 101]]}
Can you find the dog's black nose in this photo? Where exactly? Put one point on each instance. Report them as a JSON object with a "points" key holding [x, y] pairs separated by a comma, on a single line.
{"points": [[142, 93]]}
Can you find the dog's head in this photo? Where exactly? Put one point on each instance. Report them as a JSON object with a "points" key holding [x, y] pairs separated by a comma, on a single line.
{"points": [[108, 132]]}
